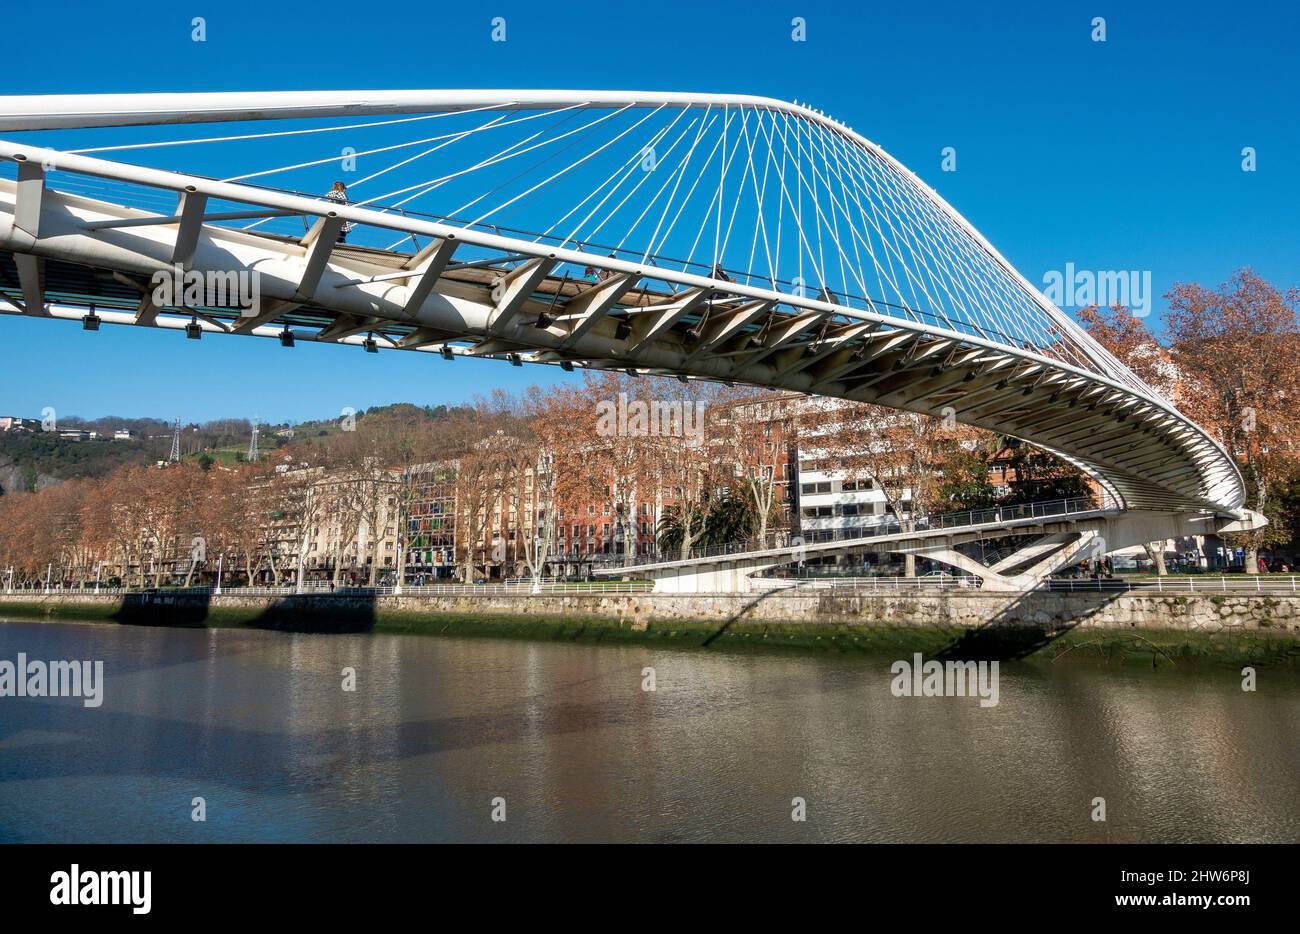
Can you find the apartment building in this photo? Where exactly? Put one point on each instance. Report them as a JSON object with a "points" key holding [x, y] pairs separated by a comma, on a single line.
{"points": [[832, 505], [355, 529], [429, 523]]}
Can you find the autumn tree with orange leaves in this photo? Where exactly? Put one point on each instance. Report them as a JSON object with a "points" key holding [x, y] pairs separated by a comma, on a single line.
{"points": [[1237, 348], [1230, 362]]}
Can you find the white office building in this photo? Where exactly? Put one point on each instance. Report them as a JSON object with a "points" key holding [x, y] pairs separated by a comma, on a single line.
{"points": [[831, 504]]}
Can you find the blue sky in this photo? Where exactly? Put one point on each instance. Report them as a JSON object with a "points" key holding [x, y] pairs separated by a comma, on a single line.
{"points": [[1122, 155]]}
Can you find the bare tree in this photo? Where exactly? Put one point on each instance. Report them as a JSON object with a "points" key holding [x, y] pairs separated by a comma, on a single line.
{"points": [[901, 453]]}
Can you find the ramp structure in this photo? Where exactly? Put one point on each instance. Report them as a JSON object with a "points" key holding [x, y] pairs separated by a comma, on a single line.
{"points": [[1047, 537]]}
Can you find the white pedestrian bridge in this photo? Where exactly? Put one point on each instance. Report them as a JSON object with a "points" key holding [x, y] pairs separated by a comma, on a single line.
{"points": [[702, 236]]}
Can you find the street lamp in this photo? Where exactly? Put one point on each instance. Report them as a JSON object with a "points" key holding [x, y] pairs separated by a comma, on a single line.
{"points": [[401, 568]]}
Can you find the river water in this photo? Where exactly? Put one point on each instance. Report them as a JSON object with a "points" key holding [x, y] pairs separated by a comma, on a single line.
{"points": [[440, 733]]}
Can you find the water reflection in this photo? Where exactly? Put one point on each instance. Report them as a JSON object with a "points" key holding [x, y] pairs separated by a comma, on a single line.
{"points": [[258, 725]]}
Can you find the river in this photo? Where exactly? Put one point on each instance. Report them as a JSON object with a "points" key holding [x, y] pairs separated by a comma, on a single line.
{"points": [[564, 742]]}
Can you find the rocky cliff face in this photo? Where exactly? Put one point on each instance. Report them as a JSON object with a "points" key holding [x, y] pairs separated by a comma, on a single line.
{"points": [[15, 479]]}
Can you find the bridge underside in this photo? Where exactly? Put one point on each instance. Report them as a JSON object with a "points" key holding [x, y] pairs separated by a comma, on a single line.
{"points": [[466, 294], [1054, 544]]}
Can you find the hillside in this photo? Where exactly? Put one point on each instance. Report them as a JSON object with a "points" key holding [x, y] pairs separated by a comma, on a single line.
{"points": [[36, 460], [33, 461]]}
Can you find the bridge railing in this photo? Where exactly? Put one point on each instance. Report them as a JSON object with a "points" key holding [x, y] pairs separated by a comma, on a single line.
{"points": [[1194, 584], [1243, 585], [873, 584], [784, 540], [515, 586]]}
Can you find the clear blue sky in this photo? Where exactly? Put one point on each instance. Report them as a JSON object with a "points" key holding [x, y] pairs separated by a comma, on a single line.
{"points": [[1117, 155]]}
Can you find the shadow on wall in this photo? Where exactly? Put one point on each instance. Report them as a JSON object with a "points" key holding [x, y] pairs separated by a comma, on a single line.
{"points": [[342, 611], [737, 617], [185, 609], [1027, 624]]}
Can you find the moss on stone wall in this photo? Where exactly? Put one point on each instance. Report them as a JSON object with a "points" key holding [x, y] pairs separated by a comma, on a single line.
{"points": [[1267, 641]]}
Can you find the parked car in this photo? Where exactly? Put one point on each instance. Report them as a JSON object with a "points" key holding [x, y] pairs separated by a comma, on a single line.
{"points": [[957, 581]]}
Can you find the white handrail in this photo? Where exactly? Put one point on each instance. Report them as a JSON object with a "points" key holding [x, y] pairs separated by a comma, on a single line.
{"points": [[1241, 586]]}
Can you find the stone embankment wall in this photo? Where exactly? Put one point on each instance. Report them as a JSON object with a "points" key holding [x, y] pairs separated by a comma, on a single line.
{"points": [[1202, 613]]}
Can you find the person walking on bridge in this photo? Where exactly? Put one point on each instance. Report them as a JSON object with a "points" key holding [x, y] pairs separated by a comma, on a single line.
{"points": [[339, 195]]}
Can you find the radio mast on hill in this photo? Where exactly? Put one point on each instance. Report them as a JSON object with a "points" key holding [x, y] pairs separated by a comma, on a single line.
{"points": [[176, 443], [252, 444]]}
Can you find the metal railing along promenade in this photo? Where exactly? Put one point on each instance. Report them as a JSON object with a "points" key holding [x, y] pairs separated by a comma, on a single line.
{"points": [[870, 584], [1239, 585], [515, 587], [1243, 585]]}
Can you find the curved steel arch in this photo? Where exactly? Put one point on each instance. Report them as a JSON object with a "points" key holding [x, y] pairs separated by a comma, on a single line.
{"points": [[1100, 416]]}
